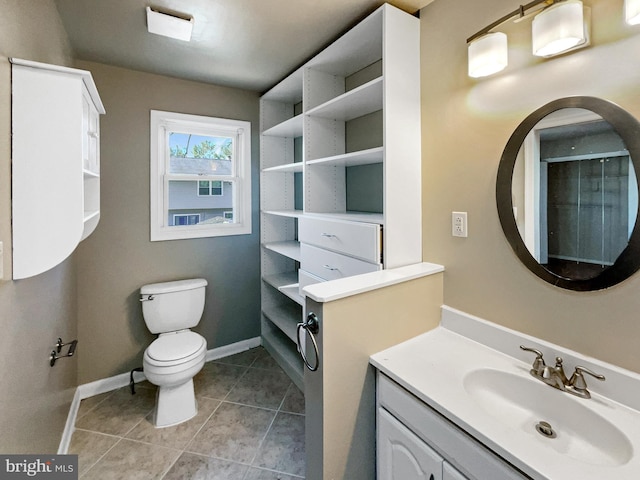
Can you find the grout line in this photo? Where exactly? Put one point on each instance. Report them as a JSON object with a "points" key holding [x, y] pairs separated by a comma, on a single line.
{"points": [[103, 455], [201, 426]]}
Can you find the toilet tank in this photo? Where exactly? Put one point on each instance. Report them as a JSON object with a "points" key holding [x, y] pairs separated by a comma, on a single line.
{"points": [[171, 306]]}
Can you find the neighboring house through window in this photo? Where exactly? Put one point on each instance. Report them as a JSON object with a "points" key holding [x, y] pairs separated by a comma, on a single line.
{"points": [[200, 176]]}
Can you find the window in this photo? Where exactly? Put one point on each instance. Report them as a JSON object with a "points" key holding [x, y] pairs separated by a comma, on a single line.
{"points": [[209, 188], [200, 176], [186, 219]]}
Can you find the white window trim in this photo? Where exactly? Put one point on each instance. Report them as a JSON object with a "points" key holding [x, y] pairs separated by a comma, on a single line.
{"points": [[161, 122]]}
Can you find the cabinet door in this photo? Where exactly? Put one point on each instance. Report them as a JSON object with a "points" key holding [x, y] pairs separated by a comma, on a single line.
{"points": [[402, 455], [450, 473]]}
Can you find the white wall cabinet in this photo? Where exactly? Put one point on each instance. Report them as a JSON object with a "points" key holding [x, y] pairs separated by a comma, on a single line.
{"points": [[55, 163], [340, 170]]}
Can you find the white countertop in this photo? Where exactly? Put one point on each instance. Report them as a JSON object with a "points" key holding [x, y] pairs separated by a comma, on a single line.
{"points": [[433, 367], [336, 289]]}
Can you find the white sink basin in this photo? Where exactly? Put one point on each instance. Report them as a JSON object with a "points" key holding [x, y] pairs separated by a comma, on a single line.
{"points": [[489, 393], [520, 403]]}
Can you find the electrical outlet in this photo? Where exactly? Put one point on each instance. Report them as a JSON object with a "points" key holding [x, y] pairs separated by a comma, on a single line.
{"points": [[459, 224]]}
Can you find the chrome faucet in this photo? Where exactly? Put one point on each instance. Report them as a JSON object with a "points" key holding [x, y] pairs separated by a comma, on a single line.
{"points": [[555, 376]]}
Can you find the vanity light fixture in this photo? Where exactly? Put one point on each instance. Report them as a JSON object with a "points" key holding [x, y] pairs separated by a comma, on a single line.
{"points": [[558, 26], [632, 11], [169, 24], [488, 54]]}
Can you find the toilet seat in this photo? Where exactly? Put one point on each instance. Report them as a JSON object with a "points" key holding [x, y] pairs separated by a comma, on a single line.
{"points": [[176, 348]]}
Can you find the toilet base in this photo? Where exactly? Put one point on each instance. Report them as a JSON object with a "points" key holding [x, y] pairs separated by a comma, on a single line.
{"points": [[175, 405]]}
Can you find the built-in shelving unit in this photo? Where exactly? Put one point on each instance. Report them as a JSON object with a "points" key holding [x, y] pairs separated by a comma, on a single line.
{"points": [[340, 156], [55, 163]]}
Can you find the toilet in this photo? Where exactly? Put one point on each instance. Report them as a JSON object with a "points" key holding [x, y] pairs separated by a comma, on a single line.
{"points": [[170, 309]]}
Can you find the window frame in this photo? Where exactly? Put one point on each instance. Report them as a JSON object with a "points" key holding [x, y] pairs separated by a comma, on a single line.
{"points": [[161, 124]]}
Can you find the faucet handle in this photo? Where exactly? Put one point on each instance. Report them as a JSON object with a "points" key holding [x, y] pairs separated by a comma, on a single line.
{"points": [[578, 385], [538, 364]]}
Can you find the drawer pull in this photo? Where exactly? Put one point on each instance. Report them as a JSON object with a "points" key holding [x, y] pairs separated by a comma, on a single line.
{"points": [[328, 235], [329, 267]]}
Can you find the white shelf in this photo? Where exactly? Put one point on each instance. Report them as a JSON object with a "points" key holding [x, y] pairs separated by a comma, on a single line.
{"points": [[284, 213], [293, 292], [284, 351], [365, 217], [287, 284], [289, 90], [286, 318], [289, 167], [353, 159], [90, 173], [290, 249], [88, 215], [289, 128], [355, 103]]}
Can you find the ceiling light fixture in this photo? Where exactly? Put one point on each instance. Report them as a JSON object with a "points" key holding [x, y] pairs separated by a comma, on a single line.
{"points": [[558, 26], [169, 24], [632, 11]]}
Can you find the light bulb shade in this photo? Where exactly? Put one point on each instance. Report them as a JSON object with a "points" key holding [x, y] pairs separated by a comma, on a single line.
{"points": [[488, 55], [558, 28], [632, 11]]}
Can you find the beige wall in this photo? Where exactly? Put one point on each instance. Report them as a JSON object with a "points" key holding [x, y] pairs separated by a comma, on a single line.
{"points": [[118, 258], [466, 124], [34, 398], [340, 395]]}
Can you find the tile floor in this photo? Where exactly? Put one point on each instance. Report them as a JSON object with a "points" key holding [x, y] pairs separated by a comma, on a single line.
{"points": [[250, 426]]}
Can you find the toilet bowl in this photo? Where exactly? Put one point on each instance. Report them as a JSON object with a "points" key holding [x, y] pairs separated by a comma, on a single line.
{"points": [[178, 354]]}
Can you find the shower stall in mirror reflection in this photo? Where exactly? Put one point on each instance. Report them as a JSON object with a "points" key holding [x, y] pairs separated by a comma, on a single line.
{"points": [[576, 191], [567, 193]]}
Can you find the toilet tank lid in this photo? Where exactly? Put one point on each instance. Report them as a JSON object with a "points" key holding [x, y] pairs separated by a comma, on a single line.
{"points": [[175, 286]]}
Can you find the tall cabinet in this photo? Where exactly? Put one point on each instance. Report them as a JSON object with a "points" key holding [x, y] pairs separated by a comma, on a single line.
{"points": [[55, 163], [340, 170]]}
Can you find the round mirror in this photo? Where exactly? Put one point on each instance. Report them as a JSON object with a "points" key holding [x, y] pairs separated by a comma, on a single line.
{"points": [[567, 193]]}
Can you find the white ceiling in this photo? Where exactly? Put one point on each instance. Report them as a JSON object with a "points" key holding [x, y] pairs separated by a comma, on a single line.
{"points": [[248, 44]]}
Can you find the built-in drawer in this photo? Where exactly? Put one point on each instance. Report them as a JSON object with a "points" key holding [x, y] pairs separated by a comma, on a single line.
{"points": [[356, 239], [330, 265], [305, 279]]}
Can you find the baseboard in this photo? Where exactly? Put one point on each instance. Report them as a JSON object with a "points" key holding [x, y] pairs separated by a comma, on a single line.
{"points": [[63, 448], [238, 347], [105, 385]]}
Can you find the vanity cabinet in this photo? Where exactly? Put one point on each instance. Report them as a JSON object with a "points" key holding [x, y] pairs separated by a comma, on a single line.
{"points": [[416, 442], [55, 163], [340, 160], [402, 455]]}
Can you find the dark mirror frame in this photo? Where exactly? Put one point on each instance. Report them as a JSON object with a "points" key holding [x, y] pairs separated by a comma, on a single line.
{"points": [[629, 130]]}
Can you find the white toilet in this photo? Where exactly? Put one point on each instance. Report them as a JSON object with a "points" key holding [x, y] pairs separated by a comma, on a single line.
{"points": [[170, 309]]}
